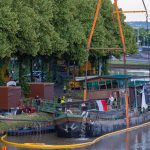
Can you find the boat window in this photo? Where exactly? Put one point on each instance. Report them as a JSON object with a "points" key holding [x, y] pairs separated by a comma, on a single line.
{"points": [[121, 84], [95, 85], [102, 85], [89, 85], [108, 83], [115, 84]]}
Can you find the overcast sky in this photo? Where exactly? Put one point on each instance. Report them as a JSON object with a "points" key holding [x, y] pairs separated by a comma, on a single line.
{"points": [[134, 5]]}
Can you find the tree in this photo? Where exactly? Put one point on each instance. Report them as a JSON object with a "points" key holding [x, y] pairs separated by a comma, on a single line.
{"points": [[69, 27], [73, 20], [59, 29], [107, 35], [27, 29], [8, 29], [144, 36], [36, 35]]}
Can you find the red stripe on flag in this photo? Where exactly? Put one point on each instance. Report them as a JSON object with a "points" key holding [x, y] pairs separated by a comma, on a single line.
{"points": [[104, 103]]}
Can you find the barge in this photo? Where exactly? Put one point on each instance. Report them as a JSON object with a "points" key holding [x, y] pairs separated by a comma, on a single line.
{"points": [[93, 120]]}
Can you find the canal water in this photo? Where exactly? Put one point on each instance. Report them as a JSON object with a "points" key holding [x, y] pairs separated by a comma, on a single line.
{"points": [[135, 140]]}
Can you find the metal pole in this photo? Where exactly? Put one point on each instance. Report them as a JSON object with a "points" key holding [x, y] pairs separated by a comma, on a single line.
{"points": [[124, 60], [131, 11], [147, 23], [136, 104]]}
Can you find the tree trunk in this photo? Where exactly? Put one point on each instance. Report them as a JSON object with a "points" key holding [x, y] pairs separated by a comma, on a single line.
{"points": [[1, 73], [104, 65], [31, 69], [42, 68], [99, 67], [20, 62]]}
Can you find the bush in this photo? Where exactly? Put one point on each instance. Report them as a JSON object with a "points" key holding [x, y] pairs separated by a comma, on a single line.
{"points": [[25, 87]]}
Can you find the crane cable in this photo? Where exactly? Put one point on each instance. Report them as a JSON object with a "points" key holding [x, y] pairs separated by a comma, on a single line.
{"points": [[124, 60], [120, 30], [147, 28], [145, 12]]}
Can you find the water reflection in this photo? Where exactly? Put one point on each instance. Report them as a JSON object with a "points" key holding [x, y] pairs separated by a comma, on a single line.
{"points": [[135, 140], [136, 72], [127, 140]]}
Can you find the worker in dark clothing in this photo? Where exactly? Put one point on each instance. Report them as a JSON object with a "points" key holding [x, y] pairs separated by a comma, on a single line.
{"points": [[59, 100], [38, 102], [65, 88], [115, 103]]}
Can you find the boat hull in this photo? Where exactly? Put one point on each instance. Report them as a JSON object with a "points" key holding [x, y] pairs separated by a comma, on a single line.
{"points": [[73, 129], [69, 129]]}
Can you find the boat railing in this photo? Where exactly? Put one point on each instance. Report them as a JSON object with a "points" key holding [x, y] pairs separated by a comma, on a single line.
{"points": [[110, 115], [76, 108]]}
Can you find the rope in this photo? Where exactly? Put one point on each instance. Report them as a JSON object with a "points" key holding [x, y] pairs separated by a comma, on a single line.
{"points": [[124, 60], [140, 91], [69, 146], [147, 30]]}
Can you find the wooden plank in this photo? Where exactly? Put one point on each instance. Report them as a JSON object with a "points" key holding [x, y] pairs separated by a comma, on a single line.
{"points": [[106, 49]]}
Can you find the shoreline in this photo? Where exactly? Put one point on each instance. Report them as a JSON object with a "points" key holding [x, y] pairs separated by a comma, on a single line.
{"points": [[23, 120]]}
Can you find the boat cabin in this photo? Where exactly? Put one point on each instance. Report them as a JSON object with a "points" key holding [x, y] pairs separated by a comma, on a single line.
{"points": [[101, 87], [104, 86]]}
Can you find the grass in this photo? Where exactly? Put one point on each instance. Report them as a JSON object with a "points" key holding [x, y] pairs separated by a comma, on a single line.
{"points": [[5, 125], [129, 62]]}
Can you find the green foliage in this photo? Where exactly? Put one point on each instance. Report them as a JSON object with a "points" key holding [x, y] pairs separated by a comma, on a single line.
{"points": [[44, 27], [60, 28], [8, 29], [27, 29], [73, 20], [144, 36], [49, 76], [67, 23], [25, 88]]}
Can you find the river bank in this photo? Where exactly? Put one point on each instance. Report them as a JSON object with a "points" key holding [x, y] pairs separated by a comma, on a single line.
{"points": [[22, 120]]}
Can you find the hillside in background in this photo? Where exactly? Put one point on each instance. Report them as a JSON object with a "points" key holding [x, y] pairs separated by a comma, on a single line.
{"points": [[139, 24]]}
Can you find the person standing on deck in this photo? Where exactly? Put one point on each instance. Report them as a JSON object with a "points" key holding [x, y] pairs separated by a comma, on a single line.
{"points": [[115, 103], [38, 102], [59, 100], [62, 103], [62, 100], [65, 88], [111, 100]]}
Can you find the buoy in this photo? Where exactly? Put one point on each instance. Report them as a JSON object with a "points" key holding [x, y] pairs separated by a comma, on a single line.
{"points": [[4, 148]]}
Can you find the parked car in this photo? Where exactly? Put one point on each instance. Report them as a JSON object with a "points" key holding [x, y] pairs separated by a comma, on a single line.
{"points": [[29, 109], [38, 75]]}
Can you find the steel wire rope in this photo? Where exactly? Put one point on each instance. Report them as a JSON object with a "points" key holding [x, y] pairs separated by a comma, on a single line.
{"points": [[147, 28]]}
